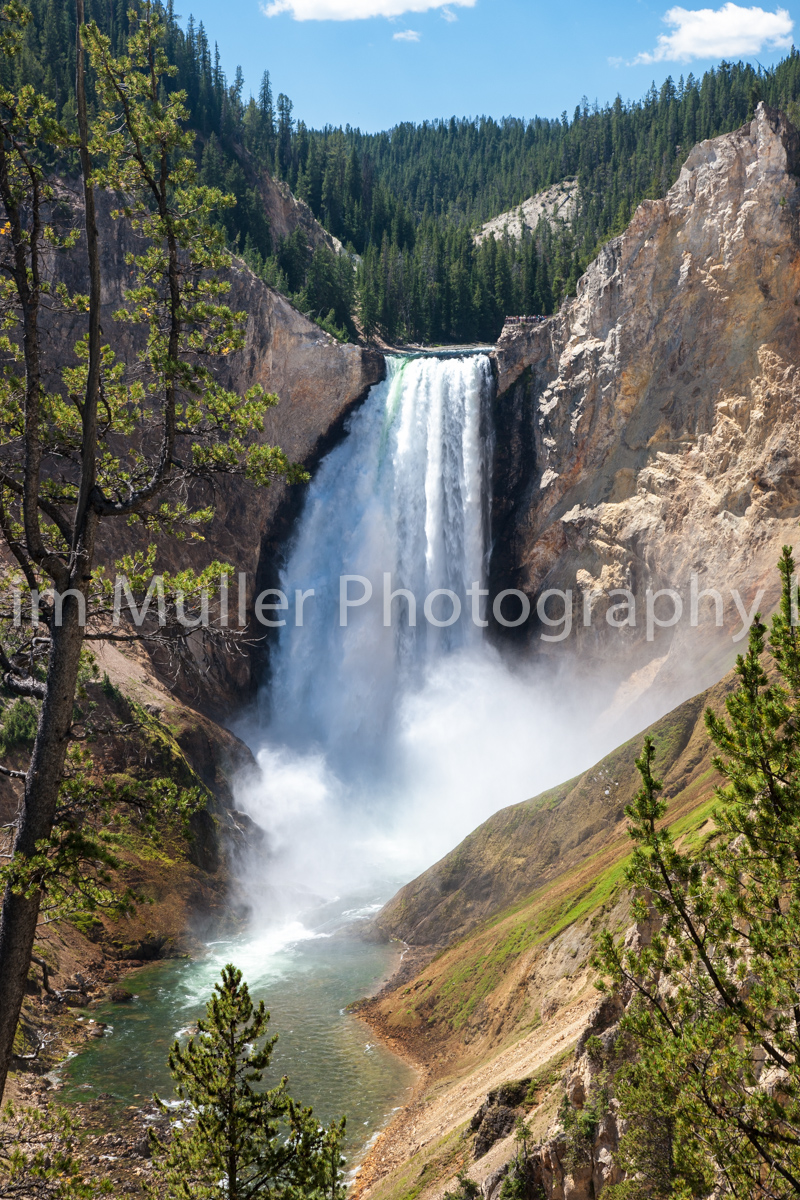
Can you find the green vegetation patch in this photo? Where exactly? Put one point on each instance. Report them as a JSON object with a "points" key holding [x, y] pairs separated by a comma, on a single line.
{"points": [[434, 1163], [18, 726], [545, 1078], [535, 921], [166, 756], [481, 961]]}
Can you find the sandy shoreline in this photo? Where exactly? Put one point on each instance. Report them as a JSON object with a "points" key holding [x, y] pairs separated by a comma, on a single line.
{"points": [[379, 1158]]}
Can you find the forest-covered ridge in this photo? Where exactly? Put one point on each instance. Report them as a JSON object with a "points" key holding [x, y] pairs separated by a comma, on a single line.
{"points": [[405, 202]]}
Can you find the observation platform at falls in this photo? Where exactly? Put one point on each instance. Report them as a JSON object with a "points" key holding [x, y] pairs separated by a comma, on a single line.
{"points": [[522, 341], [523, 321]]}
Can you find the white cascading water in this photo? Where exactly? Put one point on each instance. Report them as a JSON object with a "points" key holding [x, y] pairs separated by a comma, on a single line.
{"points": [[404, 495], [383, 747]]}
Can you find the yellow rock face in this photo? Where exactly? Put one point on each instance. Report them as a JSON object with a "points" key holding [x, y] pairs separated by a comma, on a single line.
{"points": [[664, 404]]}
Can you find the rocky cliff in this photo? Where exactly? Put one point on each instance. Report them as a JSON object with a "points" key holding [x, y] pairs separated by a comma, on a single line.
{"points": [[286, 213], [556, 203], [650, 429], [645, 434]]}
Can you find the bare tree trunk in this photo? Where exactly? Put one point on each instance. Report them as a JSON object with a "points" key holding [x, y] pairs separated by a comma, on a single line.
{"points": [[20, 914], [89, 454]]}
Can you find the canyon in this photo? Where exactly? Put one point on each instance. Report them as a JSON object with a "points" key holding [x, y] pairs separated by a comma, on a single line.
{"points": [[647, 433]]}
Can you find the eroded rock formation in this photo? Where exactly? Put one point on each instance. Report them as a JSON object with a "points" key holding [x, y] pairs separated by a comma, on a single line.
{"points": [[650, 429], [554, 203]]}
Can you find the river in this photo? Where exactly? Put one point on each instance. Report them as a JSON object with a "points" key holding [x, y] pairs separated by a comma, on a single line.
{"points": [[307, 975]]}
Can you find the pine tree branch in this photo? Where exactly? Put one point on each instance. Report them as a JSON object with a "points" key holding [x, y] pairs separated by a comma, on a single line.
{"points": [[9, 774], [25, 685]]}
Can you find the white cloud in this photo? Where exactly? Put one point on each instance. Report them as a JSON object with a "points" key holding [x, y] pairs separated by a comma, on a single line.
{"points": [[449, 15], [356, 10], [406, 35], [727, 32]]}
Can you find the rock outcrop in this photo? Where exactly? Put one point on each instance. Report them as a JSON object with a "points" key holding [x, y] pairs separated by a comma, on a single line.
{"points": [[554, 203], [651, 429], [286, 214]]}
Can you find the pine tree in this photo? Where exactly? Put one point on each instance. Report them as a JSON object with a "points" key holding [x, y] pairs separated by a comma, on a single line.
{"points": [[283, 150], [715, 1019], [454, 173], [138, 430], [39, 1157], [230, 1138], [266, 109]]}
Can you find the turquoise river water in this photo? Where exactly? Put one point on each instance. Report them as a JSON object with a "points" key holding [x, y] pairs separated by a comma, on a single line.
{"points": [[307, 976]]}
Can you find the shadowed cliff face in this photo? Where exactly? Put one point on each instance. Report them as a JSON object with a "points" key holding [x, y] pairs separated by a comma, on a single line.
{"points": [[650, 429], [318, 381]]}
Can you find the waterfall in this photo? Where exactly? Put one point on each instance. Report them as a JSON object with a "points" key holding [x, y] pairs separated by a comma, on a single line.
{"points": [[405, 495], [384, 745]]}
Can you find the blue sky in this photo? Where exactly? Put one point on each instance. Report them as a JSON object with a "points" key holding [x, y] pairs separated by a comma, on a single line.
{"points": [[373, 63]]}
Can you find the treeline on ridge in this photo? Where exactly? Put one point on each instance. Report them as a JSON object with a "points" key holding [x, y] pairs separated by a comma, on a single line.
{"points": [[405, 203]]}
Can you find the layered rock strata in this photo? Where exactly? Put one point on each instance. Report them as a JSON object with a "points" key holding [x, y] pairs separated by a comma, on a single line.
{"points": [[649, 431]]}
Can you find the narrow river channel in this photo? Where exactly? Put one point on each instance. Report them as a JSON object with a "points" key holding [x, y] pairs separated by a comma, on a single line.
{"points": [[307, 976]]}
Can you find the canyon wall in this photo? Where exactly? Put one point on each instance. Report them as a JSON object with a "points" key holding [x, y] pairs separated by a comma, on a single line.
{"points": [[650, 430], [317, 380], [646, 434]]}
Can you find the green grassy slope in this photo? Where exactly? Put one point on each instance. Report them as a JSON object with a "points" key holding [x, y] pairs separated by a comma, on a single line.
{"points": [[557, 845]]}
